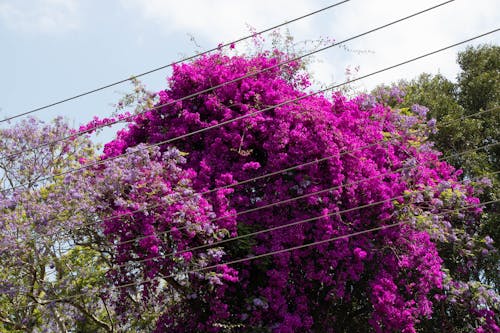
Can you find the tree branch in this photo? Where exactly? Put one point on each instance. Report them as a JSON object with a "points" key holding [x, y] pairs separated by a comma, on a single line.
{"points": [[83, 310]]}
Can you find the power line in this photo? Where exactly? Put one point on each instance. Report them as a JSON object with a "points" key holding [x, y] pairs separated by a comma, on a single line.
{"points": [[274, 173], [251, 74], [130, 213], [289, 199], [173, 63], [289, 224], [278, 202], [279, 227], [252, 257], [246, 181], [240, 183], [321, 241], [256, 112]]}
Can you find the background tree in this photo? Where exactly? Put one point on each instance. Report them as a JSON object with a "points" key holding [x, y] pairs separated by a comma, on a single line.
{"points": [[454, 106], [41, 223]]}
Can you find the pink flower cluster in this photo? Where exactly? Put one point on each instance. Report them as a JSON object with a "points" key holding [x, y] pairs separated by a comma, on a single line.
{"points": [[389, 276]]}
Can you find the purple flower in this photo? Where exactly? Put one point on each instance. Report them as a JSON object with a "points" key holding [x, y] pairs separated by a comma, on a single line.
{"points": [[359, 253]]}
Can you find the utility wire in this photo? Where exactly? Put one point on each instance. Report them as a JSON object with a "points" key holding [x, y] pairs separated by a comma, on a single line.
{"points": [[263, 231], [173, 63], [274, 173], [130, 213], [273, 204], [251, 74], [100, 162], [277, 203], [215, 244], [241, 260], [325, 240]]}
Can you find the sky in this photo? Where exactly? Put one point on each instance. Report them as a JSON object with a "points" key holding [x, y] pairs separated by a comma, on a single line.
{"points": [[54, 49]]}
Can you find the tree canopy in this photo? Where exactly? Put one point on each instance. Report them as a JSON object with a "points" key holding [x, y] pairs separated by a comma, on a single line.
{"points": [[468, 115], [256, 207]]}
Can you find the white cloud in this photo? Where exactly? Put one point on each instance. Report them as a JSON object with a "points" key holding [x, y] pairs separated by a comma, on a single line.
{"points": [[221, 20], [224, 20], [43, 16], [427, 32]]}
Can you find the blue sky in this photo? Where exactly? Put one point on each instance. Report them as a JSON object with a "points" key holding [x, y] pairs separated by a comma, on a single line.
{"points": [[52, 49]]}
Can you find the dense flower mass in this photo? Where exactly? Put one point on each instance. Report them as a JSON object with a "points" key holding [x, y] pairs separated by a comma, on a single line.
{"points": [[373, 163]]}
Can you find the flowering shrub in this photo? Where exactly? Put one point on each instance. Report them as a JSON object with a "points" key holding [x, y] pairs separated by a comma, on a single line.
{"points": [[388, 280], [153, 217]]}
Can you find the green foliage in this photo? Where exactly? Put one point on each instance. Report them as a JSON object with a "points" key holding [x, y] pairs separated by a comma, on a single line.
{"points": [[454, 106], [479, 82]]}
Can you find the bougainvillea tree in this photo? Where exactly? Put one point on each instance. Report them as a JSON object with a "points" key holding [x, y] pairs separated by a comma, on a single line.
{"points": [[420, 274]]}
